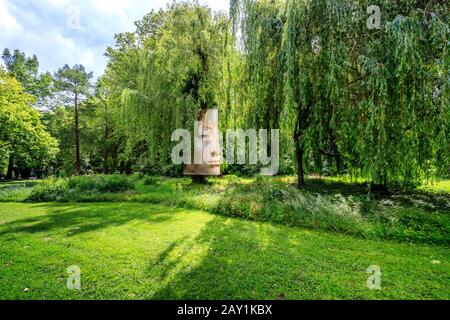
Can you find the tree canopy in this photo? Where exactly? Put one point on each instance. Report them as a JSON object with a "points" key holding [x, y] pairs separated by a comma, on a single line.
{"points": [[351, 93], [180, 73], [24, 140], [375, 101], [26, 71]]}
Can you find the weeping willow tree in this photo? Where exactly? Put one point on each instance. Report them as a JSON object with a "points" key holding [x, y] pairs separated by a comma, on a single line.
{"points": [[181, 74], [374, 102], [259, 28], [402, 107], [315, 51], [293, 72]]}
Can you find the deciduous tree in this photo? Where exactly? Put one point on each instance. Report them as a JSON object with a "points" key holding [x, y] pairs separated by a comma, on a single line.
{"points": [[74, 84]]}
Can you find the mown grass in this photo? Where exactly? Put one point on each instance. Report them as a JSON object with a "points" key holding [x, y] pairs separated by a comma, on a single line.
{"points": [[332, 205], [143, 251]]}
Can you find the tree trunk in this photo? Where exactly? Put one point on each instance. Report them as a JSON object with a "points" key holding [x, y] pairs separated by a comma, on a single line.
{"points": [[114, 157], [199, 180], [25, 173], [77, 139], [9, 174], [16, 173], [303, 122], [106, 138], [299, 152], [339, 164]]}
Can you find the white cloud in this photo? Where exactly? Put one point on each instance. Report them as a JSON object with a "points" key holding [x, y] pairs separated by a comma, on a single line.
{"points": [[41, 28], [8, 23]]}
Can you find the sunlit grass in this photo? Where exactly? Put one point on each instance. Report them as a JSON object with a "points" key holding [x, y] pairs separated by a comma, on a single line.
{"points": [[141, 251], [437, 186], [329, 204]]}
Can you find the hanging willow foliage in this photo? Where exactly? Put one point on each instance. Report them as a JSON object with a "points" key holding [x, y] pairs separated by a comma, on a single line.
{"points": [[181, 73], [373, 102], [402, 110], [347, 99]]}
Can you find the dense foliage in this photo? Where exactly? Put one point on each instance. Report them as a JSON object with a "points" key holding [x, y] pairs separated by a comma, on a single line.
{"points": [[367, 102], [375, 103], [25, 143], [180, 74]]}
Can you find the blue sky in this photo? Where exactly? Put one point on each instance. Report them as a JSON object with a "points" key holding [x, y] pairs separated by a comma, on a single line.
{"points": [[71, 31]]}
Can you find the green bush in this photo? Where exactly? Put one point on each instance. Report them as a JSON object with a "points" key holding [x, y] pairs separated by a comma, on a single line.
{"points": [[313, 211], [275, 194], [357, 215], [150, 181], [49, 190], [100, 183], [78, 188]]}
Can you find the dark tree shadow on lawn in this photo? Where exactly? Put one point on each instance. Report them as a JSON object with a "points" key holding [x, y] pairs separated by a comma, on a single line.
{"points": [[429, 201], [74, 219], [401, 197], [256, 261]]}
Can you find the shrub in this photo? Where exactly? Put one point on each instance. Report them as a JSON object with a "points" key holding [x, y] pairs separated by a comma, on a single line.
{"points": [[167, 171], [312, 211], [275, 194], [49, 190], [247, 170], [76, 188], [150, 181], [100, 183]]}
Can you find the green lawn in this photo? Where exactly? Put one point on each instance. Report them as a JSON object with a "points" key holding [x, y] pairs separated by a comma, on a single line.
{"points": [[438, 186], [336, 205], [147, 251]]}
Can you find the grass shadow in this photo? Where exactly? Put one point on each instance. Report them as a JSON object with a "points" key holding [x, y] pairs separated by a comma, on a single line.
{"points": [[257, 261], [86, 218]]}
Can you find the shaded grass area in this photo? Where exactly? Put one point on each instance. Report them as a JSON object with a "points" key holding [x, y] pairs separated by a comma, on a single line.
{"points": [[143, 251], [334, 204], [18, 191]]}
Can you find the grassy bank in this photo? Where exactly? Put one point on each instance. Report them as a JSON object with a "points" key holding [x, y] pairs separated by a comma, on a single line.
{"points": [[332, 205], [142, 251]]}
